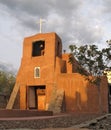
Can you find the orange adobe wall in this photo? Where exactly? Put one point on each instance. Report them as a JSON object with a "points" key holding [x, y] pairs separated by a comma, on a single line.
{"points": [[82, 97], [43, 66]]}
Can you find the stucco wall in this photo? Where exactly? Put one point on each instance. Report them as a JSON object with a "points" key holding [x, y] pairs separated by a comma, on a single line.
{"points": [[82, 97]]}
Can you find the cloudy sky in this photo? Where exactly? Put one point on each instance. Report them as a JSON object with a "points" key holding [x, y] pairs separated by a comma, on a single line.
{"points": [[75, 21]]}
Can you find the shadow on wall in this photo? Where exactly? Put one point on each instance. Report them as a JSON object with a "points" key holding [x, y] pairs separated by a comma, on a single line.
{"points": [[92, 101], [80, 96]]}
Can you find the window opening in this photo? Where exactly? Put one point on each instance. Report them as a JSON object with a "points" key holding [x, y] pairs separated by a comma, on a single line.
{"points": [[38, 48], [37, 72], [59, 49]]}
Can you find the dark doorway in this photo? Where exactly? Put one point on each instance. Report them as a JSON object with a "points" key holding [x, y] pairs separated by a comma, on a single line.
{"points": [[38, 48], [36, 97], [109, 97]]}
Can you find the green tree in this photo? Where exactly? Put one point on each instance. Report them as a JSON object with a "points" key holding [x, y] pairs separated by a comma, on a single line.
{"points": [[90, 58], [7, 81], [107, 54]]}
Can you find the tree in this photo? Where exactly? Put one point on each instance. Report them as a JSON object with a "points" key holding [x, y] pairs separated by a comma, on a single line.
{"points": [[107, 54], [90, 58], [7, 81]]}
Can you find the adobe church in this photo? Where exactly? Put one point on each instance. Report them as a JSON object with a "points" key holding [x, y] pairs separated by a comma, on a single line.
{"points": [[46, 78]]}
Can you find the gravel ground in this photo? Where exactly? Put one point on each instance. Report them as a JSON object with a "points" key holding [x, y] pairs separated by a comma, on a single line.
{"points": [[102, 123], [56, 122], [59, 122]]}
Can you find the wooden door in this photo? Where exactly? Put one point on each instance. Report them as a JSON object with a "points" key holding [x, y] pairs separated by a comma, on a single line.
{"points": [[41, 98], [41, 102]]}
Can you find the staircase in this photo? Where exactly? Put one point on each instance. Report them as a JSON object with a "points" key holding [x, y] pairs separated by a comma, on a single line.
{"points": [[13, 97]]}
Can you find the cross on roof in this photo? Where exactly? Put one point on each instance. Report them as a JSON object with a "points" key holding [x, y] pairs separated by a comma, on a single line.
{"points": [[40, 22]]}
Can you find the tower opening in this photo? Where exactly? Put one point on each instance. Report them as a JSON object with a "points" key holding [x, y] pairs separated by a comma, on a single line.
{"points": [[38, 48]]}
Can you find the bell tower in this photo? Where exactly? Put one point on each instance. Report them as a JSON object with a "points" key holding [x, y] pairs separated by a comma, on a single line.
{"points": [[42, 56]]}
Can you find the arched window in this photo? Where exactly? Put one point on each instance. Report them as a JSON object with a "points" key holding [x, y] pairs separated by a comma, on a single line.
{"points": [[37, 72]]}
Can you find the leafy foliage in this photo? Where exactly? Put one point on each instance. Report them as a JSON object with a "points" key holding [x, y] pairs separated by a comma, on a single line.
{"points": [[91, 58], [7, 81]]}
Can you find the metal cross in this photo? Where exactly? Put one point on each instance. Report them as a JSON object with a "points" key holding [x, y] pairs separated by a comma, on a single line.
{"points": [[40, 22]]}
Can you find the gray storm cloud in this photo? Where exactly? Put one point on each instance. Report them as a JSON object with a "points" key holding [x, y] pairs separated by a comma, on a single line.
{"points": [[71, 19]]}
